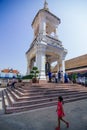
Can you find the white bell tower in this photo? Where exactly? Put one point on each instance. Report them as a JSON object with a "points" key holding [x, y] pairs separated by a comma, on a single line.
{"points": [[45, 23], [46, 47]]}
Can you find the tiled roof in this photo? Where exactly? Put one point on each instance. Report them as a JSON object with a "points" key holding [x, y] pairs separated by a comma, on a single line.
{"points": [[79, 61], [10, 71]]}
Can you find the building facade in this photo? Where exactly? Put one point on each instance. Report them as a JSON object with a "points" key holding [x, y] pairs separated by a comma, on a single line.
{"points": [[76, 65], [9, 73], [6, 75]]}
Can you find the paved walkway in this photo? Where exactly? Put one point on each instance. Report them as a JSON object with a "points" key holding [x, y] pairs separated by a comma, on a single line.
{"points": [[46, 119]]}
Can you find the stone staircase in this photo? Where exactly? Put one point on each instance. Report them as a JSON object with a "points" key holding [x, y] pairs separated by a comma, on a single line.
{"points": [[28, 97]]}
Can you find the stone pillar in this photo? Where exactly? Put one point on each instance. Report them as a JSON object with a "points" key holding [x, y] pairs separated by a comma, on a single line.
{"points": [[56, 32], [44, 28], [40, 61], [57, 66], [28, 67], [62, 69], [33, 63]]}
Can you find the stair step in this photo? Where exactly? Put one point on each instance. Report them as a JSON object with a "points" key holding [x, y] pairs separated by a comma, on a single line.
{"points": [[41, 105], [47, 96], [37, 101], [26, 98]]}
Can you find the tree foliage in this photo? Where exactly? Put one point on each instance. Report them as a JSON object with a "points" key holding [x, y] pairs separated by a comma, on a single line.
{"points": [[34, 73]]}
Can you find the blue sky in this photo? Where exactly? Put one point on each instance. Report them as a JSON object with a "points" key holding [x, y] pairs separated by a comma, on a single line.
{"points": [[16, 33]]}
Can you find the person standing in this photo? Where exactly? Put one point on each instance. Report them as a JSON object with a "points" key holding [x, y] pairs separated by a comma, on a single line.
{"points": [[50, 76], [60, 112], [59, 76], [56, 78]]}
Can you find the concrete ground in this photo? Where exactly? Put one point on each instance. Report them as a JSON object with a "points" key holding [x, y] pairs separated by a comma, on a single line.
{"points": [[46, 118]]}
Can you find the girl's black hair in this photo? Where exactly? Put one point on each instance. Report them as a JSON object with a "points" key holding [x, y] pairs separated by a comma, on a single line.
{"points": [[60, 98]]}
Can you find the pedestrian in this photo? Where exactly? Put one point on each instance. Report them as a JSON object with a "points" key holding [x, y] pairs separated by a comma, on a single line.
{"points": [[59, 76], [50, 76], [56, 78], [13, 83], [60, 112]]}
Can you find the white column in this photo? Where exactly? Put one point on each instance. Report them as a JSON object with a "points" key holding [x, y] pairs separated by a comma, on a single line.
{"points": [[57, 66], [32, 63], [56, 32], [44, 28], [40, 62], [61, 70], [63, 67], [41, 28], [28, 67]]}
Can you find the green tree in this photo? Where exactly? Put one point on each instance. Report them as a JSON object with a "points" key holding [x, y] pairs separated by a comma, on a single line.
{"points": [[34, 72], [74, 76], [27, 77]]}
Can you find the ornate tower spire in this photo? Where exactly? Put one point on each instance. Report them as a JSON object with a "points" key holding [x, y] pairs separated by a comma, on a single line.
{"points": [[46, 5]]}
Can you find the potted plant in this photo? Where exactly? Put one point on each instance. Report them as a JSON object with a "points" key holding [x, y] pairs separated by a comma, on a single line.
{"points": [[35, 73]]}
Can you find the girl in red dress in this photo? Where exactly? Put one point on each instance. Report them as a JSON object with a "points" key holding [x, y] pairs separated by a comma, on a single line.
{"points": [[60, 112]]}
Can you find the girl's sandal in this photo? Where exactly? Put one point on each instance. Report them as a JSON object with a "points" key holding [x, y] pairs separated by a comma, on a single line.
{"points": [[57, 128], [67, 125]]}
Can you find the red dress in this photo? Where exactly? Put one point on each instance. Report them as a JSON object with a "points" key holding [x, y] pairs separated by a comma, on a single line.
{"points": [[60, 111]]}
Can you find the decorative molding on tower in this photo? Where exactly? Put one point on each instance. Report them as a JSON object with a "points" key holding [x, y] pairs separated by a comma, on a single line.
{"points": [[46, 5]]}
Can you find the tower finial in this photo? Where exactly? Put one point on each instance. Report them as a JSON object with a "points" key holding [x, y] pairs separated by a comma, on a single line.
{"points": [[46, 5]]}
